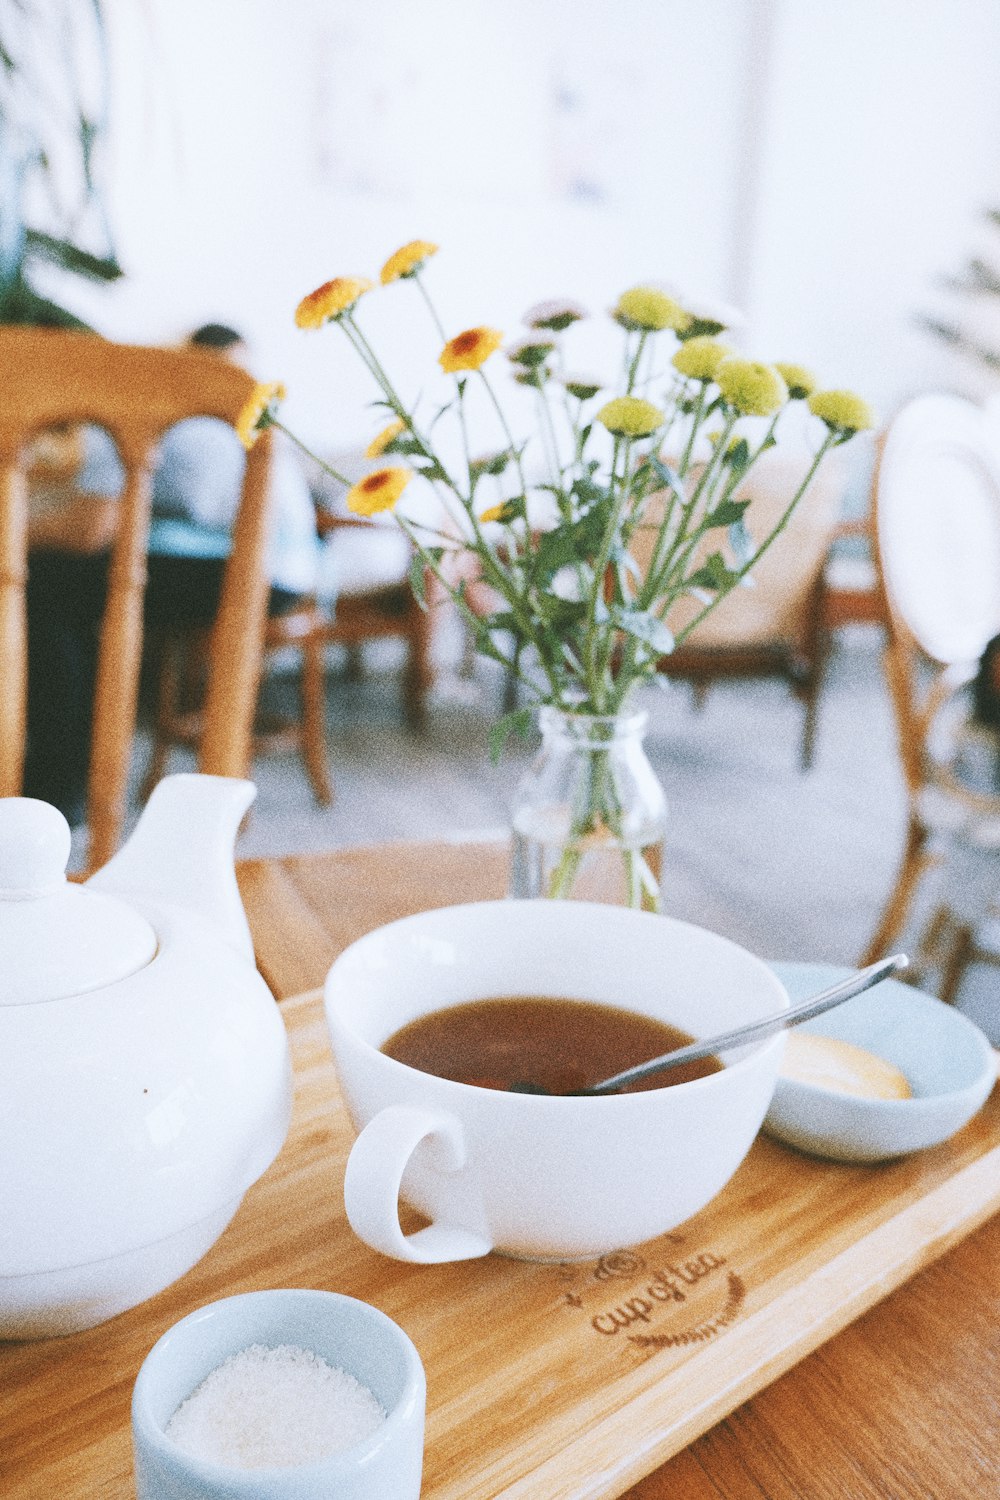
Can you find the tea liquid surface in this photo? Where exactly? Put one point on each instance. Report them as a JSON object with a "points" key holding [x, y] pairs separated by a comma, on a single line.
{"points": [[559, 1046]]}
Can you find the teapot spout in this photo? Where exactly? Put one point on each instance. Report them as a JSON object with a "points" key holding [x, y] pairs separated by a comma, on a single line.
{"points": [[181, 851]]}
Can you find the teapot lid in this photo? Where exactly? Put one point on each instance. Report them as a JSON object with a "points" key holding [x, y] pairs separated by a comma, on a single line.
{"points": [[56, 938]]}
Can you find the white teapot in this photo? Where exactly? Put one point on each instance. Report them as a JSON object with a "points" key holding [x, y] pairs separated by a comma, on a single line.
{"points": [[144, 1073]]}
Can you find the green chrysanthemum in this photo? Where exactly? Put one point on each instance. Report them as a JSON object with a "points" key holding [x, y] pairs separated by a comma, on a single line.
{"points": [[648, 309], [630, 416], [800, 381], [753, 388], [699, 358], [842, 410]]}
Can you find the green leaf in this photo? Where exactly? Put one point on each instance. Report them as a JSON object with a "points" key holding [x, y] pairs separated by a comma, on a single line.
{"points": [[501, 619], [519, 722], [418, 581], [713, 574], [738, 456], [665, 474], [644, 627], [726, 513], [742, 543]]}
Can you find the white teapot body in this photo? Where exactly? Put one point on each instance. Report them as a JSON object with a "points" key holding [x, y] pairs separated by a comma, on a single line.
{"points": [[135, 1114]]}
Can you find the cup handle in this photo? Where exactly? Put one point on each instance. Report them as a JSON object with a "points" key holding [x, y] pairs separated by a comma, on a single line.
{"points": [[375, 1170]]}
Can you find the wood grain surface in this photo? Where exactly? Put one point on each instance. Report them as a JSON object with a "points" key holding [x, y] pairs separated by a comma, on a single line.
{"points": [[551, 1382]]}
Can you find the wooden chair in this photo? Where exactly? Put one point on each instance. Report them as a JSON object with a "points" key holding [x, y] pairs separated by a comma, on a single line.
{"points": [[361, 614], [51, 378], [384, 611], [777, 628], [936, 507]]}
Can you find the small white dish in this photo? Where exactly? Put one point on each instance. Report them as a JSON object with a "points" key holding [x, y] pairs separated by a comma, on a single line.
{"points": [[948, 1062], [347, 1333]]}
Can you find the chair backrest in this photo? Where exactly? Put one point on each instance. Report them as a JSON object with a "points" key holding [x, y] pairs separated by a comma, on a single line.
{"points": [[51, 378], [936, 513]]}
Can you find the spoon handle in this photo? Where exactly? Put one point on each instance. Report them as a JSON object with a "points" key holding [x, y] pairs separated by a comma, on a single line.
{"points": [[757, 1031]]}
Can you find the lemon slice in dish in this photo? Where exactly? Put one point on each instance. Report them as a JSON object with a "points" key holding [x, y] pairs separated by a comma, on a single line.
{"points": [[843, 1068]]}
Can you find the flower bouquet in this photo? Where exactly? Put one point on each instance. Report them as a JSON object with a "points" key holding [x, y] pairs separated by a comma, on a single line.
{"points": [[547, 527]]}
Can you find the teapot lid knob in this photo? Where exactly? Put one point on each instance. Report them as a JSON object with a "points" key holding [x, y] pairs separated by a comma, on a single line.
{"points": [[34, 848], [58, 939]]}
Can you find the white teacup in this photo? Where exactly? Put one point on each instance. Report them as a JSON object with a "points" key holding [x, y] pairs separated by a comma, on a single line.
{"points": [[530, 1175]]}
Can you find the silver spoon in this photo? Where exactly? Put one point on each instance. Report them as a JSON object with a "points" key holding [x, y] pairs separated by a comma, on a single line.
{"points": [[754, 1031]]}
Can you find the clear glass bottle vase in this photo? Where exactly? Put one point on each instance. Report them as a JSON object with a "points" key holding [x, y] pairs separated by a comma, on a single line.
{"points": [[588, 815]]}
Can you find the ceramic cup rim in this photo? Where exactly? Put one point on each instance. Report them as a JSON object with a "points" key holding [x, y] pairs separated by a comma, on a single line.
{"points": [[152, 1434], [340, 1014]]}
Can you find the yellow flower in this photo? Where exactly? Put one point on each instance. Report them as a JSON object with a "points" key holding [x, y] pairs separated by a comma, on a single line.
{"points": [[258, 412], [842, 410], [469, 350], [755, 389], [700, 357], [630, 416], [385, 438], [800, 381], [493, 512], [407, 260], [331, 300], [378, 491], [648, 308]]}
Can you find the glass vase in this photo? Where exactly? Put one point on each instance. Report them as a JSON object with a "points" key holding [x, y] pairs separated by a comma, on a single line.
{"points": [[588, 815]]}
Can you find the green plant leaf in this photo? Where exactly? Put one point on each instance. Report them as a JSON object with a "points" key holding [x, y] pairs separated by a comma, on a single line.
{"points": [[713, 574], [741, 543], [665, 474], [519, 722], [418, 581], [738, 456], [70, 257], [726, 513], [644, 627]]}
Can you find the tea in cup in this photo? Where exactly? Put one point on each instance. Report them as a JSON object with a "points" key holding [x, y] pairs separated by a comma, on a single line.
{"points": [[536, 1175]]}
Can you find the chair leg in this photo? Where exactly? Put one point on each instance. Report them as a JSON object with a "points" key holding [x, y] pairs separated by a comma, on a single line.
{"points": [[418, 678], [914, 862], [958, 961], [815, 651], [168, 688], [314, 720]]}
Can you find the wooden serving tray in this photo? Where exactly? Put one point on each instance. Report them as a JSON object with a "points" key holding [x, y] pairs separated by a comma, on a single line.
{"points": [[545, 1382]]}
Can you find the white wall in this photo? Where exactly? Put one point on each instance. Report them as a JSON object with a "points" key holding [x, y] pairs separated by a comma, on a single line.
{"points": [[827, 161]]}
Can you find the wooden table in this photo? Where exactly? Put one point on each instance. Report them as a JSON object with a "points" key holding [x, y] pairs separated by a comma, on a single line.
{"points": [[904, 1404]]}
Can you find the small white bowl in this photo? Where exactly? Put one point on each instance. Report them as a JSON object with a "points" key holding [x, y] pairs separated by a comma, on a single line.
{"points": [[350, 1334], [948, 1062]]}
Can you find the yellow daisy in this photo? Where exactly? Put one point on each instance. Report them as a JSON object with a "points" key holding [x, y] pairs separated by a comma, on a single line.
{"points": [[385, 438], [493, 512], [331, 300], [648, 308], [753, 388], [800, 381], [469, 350], [258, 412], [378, 491], [630, 416], [700, 357], [842, 410], [407, 260]]}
